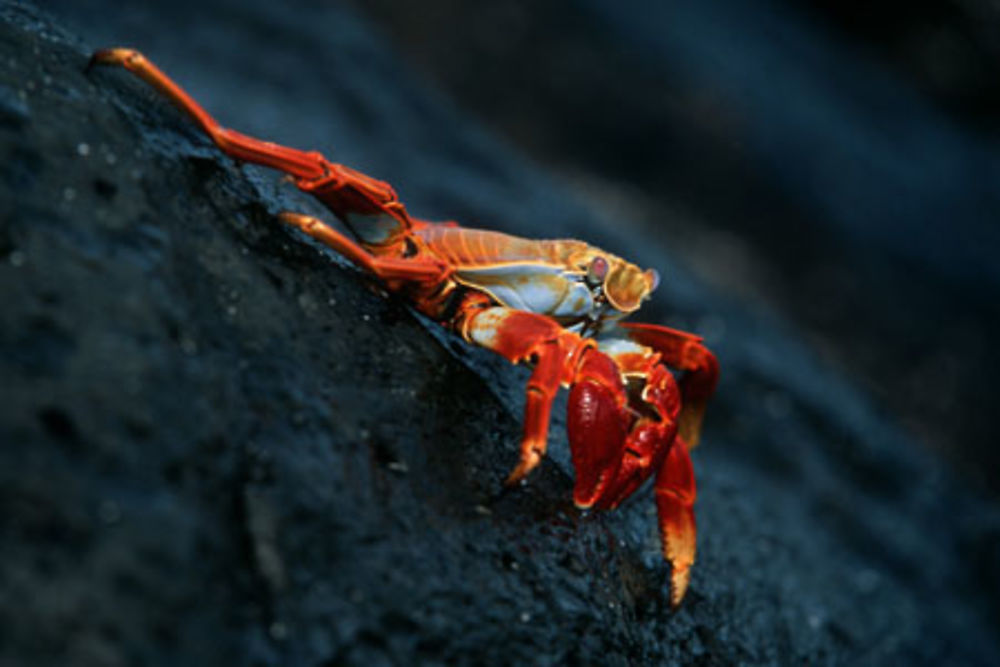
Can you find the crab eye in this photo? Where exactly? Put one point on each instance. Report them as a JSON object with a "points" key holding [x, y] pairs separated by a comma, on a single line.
{"points": [[653, 278], [597, 271]]}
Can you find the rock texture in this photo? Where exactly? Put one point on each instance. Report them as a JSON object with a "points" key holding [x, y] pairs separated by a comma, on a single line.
{"points": [[222, 445]]}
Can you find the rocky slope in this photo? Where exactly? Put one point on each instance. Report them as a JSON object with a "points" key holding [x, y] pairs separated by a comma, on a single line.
{"points": [[222, 445]]}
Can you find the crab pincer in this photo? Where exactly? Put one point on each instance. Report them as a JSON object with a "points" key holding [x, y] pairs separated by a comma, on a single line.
{"points": [[621, 438]]}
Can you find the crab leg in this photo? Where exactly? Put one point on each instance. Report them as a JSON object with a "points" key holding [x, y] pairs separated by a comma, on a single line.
{"points": [[386, 268], [675, 496], [683, 351], [298, 163], [653, 445], [351, 195], [560, 358]]}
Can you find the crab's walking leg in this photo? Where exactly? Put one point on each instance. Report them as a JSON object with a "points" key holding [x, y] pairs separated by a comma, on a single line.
{"points": [[295, 162], [560, 358], [348, 193], [520, 336], [675, 496], [386, 268], [685, 352]]}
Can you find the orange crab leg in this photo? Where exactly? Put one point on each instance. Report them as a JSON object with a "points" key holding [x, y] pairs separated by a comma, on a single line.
{"points": [[540, 392], [520, 336], [343, 190], [386, 268], [295, 162], [560, 358], [675, 496], [683, 351]]}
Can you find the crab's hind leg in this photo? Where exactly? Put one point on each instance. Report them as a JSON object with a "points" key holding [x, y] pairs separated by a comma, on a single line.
{"points": [[685, 352], [295, 162], [416, 269], [369, 205]]}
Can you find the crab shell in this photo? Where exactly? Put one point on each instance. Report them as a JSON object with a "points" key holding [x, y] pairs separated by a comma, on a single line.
{"points": [[568, 280]]}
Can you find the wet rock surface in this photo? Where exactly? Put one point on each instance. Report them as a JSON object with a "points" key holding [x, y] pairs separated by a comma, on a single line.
{"points": [[223, 445]]}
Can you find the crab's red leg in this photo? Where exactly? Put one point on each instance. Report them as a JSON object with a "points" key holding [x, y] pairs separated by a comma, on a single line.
{"points": [[685, 352], [345, 191], [298, 163], [560, 357], [520, 336], [675, 496]]}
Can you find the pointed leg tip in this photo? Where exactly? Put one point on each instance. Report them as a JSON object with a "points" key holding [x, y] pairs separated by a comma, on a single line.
{"points": [[519, 473], [527, 463], [117, 56], [97, 58], [679, 580], [691, 419], [516, 476]]}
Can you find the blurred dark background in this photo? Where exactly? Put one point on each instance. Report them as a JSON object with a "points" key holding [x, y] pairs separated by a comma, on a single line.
{"points": [[838, 162]]}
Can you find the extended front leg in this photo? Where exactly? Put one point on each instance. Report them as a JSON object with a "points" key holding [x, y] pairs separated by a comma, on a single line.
{"points": [[295, 162]]}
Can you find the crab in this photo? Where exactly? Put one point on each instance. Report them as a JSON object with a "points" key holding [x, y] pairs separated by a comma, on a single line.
{"points": [[557, 305]]}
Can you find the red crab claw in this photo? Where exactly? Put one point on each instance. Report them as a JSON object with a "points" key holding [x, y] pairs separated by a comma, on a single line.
{"points": [[602, 426], [652, 419], [685, 352], [597, 425], [620, 437]]}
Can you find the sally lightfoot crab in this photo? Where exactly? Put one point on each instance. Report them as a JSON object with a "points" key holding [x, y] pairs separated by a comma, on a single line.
{"points": [[557, 305]]}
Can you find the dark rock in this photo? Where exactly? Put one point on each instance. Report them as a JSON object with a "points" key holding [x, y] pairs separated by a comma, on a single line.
{"points": [[223, 445]]}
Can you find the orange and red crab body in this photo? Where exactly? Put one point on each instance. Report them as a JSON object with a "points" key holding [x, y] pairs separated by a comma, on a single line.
{"points": [[557, 305]]}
